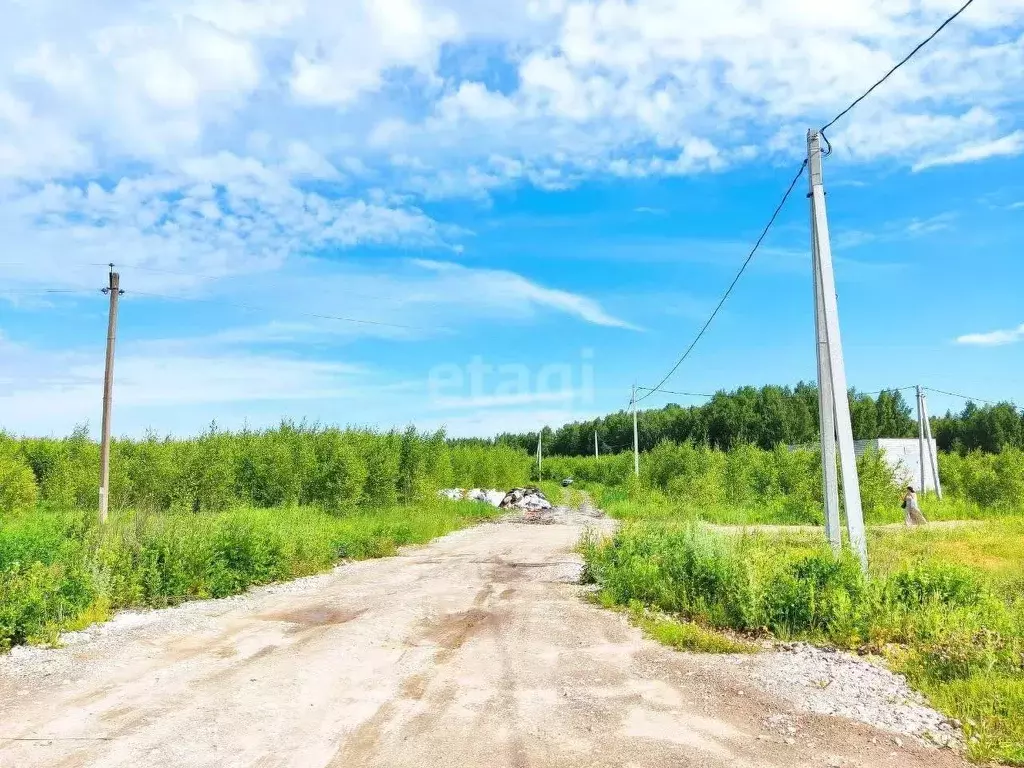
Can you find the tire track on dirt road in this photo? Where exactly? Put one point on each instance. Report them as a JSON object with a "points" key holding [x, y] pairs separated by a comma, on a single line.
{"points": [[475, 650]]}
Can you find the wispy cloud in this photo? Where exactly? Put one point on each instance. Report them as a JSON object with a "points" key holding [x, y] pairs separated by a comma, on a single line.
{"points": [[1007, 146], [651, 211], [56, 389], [993, 338], [894, 231], [515, 293]]}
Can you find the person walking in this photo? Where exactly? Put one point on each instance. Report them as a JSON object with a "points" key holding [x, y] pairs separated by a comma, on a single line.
{"points": [[911, 511]]}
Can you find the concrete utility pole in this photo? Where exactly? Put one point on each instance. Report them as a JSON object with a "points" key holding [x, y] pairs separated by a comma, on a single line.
{"points": [[833, 350], [826, 408], [636, 439], [540, 437], [113, 290], [932, 458], [597, 453], [920, 437]]}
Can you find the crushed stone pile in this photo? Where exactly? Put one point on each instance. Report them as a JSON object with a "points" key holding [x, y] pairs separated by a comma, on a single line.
{"points": [[832, 682]]}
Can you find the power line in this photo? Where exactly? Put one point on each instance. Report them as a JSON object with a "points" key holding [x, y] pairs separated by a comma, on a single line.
{"points": [[36, 291], [671, 392], [301, 314], [888, 389], [888, 74], [764, 233], [32, 291], [207, 278], [962, 397]]}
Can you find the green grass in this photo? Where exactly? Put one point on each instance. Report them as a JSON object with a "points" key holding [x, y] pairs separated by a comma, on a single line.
{"points": [[635, 501], [944, 605], [684, 635], [58, 571]]}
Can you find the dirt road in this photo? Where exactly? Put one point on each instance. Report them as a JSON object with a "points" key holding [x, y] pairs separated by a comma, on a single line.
{"points": [[476, 650]]}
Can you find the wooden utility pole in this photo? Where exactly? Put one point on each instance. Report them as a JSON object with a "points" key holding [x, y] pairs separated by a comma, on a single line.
{"points": [[833, 348], [636, 439], [113, 290]]}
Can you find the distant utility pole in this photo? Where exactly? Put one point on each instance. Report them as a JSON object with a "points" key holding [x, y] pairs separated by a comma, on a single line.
{"points": [[920, 437], [933, 459], [597, 453], [540, 437], [924, 442], [636, 439], [113, 290], [832, 388]]}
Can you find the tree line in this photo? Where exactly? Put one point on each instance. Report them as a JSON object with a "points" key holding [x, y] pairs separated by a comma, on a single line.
{"points": [[777, 415], [289, 465]]}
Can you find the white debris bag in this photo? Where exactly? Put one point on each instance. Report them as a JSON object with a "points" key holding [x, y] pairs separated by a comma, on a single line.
{"points": [[525, 498]]}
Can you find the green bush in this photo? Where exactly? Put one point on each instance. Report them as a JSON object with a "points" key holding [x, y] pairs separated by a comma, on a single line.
{"points": [[18, 489], [947, 584], [293, 464]]}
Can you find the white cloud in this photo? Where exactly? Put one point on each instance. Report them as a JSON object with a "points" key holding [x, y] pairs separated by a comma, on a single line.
{"points": [[56, 389], [216, 215], [993, 338], [353, 49], [32, 146], [640, 88], [475, 102], [510, 292], [895, 231], [1007, 146], [303, 160]]}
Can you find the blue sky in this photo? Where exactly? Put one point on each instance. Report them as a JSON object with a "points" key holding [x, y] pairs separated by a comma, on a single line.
{"points": [[534, 203]]}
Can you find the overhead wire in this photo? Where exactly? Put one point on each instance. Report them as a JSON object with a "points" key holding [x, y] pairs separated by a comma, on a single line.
{"points": [[254, 308], [829, 124], [221, 278], [888, 389], [887, 75], [962, 397], [23, 291], [672, 392], [316, 315], [725, 296]]}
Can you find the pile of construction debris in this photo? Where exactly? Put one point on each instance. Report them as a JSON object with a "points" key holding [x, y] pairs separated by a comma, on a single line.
{"points": [[528, 505], [494, 498], [525, 498], [528, 498]]}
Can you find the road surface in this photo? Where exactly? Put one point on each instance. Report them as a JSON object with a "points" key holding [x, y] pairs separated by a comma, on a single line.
{"points": [[476, 650]]}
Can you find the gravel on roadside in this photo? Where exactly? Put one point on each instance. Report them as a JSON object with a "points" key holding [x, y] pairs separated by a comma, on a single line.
{"points": [[831, 682]]}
